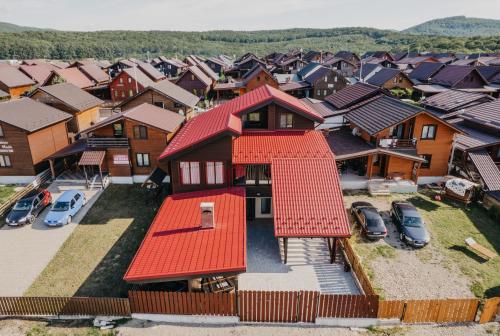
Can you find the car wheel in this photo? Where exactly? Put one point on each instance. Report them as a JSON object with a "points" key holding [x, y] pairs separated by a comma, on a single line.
{"points": [[31, 219], [402, 237], [69, 220]]}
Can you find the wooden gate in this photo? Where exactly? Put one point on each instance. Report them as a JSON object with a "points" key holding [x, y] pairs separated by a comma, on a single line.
{"points": [[348, 306], [264, 306], [182, 303], [440, 311]]}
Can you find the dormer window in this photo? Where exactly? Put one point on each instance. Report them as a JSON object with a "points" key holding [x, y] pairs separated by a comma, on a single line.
{"points": [[286, 120]]}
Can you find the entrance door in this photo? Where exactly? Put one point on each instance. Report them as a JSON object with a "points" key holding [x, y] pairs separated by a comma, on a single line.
{"points": [[250, 209], [383, 165], [263, 207]]}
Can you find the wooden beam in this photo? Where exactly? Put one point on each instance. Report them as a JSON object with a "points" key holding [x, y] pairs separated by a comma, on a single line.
{"points": [[52, 169]]}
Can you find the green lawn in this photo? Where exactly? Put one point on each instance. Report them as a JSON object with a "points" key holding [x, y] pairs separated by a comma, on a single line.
{"points": [[95, 257], [451, 224], [5, 192]]}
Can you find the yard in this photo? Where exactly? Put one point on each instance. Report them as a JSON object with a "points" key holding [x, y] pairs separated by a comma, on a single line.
{"points": [[93, 260], [445, 268], [6, 191]]}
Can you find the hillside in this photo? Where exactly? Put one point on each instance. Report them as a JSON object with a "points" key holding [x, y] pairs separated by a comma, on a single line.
{"points": [[116, 44], [6, 27], [457, 26]]}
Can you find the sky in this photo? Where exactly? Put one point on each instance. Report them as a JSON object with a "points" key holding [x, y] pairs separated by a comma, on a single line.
{"points": [[199, 15]]}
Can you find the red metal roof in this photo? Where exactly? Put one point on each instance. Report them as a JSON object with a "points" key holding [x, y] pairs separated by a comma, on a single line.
{"points": [[261, 147], [176, 247], [307, 199]]}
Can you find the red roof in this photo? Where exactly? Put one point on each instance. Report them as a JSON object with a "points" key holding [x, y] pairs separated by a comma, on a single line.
{"points": [[218, 120], [307, 199], [261, 147], [176, 247]]}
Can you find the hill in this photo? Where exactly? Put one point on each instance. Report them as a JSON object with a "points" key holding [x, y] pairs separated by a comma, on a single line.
{"points": [[117, 44], [457, 26], [6, 27]]}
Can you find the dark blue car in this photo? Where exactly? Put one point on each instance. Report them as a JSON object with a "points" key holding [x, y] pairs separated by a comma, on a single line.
{"points": [[410, 224]]}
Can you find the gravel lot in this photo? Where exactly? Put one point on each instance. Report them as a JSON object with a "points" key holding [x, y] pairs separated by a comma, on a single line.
{"points": [[137, 327], [408, 273]]}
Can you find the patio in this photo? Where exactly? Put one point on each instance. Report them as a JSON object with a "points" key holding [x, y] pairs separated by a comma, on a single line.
{"points": [[308, 266]]}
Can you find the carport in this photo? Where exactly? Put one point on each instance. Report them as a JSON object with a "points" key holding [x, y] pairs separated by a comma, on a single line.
{"points": [[92, 159], [69, 151]]}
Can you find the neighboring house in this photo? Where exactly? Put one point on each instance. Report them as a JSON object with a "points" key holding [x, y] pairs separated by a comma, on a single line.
{"points": [[450, 103], [389, 79], [290, 65], [345, 67], [244, 64], [119, 66], [66, 97], [170, 67], [128, 82], [4, 96], [194, 80], [29, 132], [132, 141], [349, 56], [390, 139], [69, 75], [39, 72], [14, 82], [476, 153], [151, 71], [423, 73], [383, 55], [413, 62], [241, 161], [164, 94], [217, 65]]}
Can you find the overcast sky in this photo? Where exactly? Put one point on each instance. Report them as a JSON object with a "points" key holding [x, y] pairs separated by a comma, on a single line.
{"points": [[195, 15]]}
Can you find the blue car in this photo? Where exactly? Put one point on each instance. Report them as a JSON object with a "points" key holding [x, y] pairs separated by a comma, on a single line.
{"points": [[65, 208]]}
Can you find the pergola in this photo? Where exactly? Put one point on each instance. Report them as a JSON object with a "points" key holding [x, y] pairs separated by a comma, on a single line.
{"points": [[308, 202], [92, 158]]}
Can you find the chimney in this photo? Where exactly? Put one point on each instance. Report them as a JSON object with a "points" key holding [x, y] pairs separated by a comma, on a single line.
{"points": [[207, 215]]}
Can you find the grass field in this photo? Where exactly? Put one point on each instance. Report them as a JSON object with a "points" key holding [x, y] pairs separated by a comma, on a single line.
{"points": [[95, 257], [5, 192]]}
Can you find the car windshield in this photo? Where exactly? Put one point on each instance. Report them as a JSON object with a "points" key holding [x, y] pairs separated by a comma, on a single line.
{"points": [[22, 205], [375, 222], [61, 206], [412, 221]]}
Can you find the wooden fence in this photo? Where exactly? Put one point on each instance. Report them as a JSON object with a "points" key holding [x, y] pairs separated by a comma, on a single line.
{"points": [[490, 310], [348, 306], [182, 303], [358, 270], [74, 306], [265, 306]]}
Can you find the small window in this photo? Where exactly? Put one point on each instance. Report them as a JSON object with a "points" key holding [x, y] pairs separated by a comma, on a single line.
{"points": [[121, 80], [427, 163], [1, 132], [215, 172], [254, 116], [130, 80], [142, 159], [319, 92], [429, 132], [140, 132], [265, 205], [123, 94], [130, 93], [325, 92], [258, 78], [192, 77], [190, 172], [286, 120], [117, 130], [159, 104], [116, 93]]}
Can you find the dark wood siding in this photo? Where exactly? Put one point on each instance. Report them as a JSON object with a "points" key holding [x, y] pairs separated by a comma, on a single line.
{"points": [[188, 83], [299, 122], [20, 157], [152, 97], [121, 90], [334, 82]]}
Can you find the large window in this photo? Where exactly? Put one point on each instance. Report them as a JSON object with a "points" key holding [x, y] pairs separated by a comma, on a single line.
{"points": [[142, 159], [427, 163], [5, 161], [286, 120], [190, 172], [140, 132], [215, 172], [429, 132]]}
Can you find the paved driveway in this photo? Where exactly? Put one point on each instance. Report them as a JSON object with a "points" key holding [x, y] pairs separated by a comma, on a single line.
{"points": [[26, 250]]}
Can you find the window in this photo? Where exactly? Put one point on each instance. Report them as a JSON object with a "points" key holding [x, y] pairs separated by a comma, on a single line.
{"points": [[121, 80], [1, 132], [215, 172], [258, 78], [123, 94], [254, 117], [140, 132], [427, 163], [160, 104], [190, 172], [130, 80], [130, 93], [117, 130], [429, 132], [319, 92], [325, 92], [5, 161], [265, 205], [192, 77], [116, 93], [142, 159], [286, 120]]}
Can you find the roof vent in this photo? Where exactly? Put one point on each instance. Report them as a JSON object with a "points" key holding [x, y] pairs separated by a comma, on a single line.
{"points": [[207, 215]]}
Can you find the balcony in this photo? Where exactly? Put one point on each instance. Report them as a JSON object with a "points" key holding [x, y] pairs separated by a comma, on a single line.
{"points": [[108, 142], [397, 143]]}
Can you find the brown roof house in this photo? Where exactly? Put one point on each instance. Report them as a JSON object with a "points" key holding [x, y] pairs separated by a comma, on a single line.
{"points": [[66, 97], [194, 80], [129, 82], [29, 132], [133, 140], [14, 82]]}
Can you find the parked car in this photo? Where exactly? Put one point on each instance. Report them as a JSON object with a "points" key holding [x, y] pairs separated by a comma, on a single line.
{"points": [[65, 208], [410, 224], [370, 220], [29, 207]]}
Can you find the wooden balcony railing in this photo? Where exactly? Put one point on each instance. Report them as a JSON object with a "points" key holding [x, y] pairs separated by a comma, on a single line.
{"points": [[398, 143], [107, 142]]}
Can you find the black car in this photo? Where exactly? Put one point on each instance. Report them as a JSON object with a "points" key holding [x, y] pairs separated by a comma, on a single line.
{"points": [[28, 208], [371, 222], [410, 224]]}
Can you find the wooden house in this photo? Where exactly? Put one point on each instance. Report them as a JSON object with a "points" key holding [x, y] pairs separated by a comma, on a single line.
{"points": [[171, 68], [389, 79], [29, 132], [128, 83], [345, 67], [194, 80], [164, 94], [133, 140], [14, 82], [348, 56], [251, 80], [66, 97]]}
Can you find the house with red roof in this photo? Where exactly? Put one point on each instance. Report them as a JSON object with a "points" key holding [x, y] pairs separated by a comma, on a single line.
{"points": [[256, 157]]}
